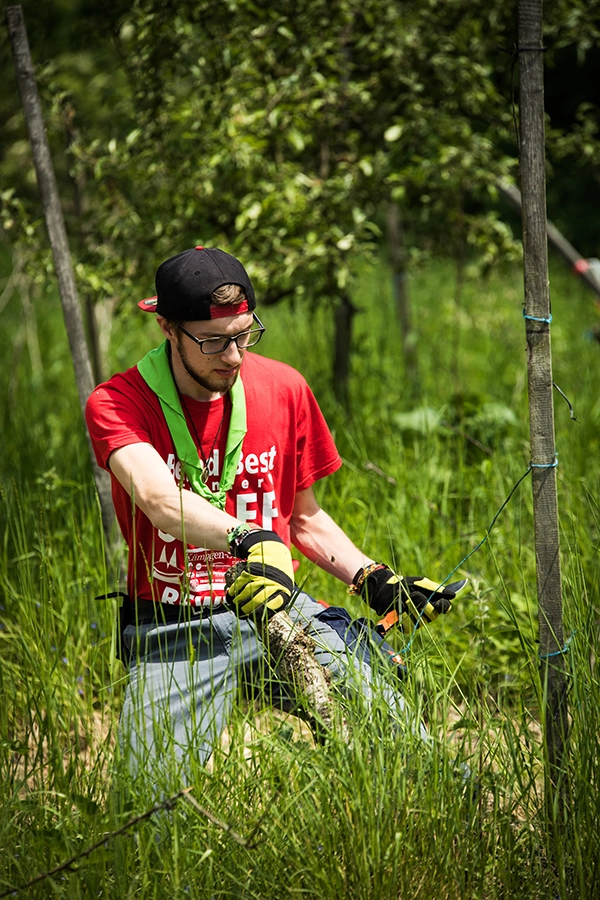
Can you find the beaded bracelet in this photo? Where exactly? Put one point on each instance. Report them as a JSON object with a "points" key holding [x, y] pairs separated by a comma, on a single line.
{"points": [[362, 575], [237, 534]]}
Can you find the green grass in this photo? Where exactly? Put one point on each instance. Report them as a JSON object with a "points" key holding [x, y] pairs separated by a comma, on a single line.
{"points": [[384, 816]]}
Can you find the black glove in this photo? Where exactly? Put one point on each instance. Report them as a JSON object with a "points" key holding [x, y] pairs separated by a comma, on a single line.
{"points": [[417, 601], [266, 581]]}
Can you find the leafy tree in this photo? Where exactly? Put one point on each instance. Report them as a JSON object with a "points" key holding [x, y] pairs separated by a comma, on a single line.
{"points": [[84, 96], [279, 136], [282, 134]]}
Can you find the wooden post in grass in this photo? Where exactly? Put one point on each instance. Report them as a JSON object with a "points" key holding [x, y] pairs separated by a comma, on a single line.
{"points": [[539, 371], [58, 239], [343, 316], [397, 255]]}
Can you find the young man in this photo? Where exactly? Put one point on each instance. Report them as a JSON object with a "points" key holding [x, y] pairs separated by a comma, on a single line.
{"points": [[213, 452]]}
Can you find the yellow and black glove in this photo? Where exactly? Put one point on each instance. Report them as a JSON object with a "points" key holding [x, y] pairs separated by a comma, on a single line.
{"points": [[409, 602], [266, 581]]}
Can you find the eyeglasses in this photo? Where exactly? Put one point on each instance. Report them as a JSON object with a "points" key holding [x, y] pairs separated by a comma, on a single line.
{"points": [[220, 344]]}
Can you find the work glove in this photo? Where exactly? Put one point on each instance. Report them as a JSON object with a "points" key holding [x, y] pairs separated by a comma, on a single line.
{"points": [[264, 583], [408, 602]]}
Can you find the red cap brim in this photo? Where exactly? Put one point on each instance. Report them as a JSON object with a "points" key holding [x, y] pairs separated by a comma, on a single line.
{"points": [[149, 304]]}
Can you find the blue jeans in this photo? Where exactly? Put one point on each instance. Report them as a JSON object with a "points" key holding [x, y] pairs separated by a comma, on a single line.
{"points": [[185, 677]]}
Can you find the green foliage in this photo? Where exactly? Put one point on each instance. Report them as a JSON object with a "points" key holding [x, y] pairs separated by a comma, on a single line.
{"points": [[383, 816], [277, 136], [281, 136]]}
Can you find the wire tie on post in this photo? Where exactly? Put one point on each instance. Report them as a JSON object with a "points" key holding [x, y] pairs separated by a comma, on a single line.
{"points": [[551, 465], [566, 399], [538, 318], [558, 652]]}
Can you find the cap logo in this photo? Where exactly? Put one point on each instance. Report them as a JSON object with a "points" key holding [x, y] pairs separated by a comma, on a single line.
{"points": [[149, 304]]}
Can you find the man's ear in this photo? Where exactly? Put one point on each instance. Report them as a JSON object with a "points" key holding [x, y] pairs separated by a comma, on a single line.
{"points": [[168, 328]]}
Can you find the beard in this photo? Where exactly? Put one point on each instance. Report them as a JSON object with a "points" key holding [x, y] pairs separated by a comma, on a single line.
{"points": [[211, 382]]}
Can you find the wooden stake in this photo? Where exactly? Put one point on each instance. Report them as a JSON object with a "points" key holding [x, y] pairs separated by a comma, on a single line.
{"points": [[397, 254], [539, 370], [343, 316], [58, 239]]}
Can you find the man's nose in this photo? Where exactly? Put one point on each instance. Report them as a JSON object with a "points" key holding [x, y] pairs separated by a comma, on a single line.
{"points": [[232, 354]]}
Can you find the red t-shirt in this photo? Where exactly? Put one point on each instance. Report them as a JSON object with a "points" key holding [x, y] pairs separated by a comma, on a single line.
{"points": [[287, 447]]}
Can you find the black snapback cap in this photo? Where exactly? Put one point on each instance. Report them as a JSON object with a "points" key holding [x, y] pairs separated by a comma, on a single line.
{"points": [[184, 283]]}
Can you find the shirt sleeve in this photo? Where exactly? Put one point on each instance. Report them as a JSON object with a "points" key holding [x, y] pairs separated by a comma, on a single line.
{"points": [[115, 419], [317, 455]]}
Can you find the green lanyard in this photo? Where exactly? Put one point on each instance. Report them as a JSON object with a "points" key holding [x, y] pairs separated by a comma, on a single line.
{"points": [[156, 372]]}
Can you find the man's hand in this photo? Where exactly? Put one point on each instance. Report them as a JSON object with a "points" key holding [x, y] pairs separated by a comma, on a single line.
{"points": [[417, 600], [266, 581]]}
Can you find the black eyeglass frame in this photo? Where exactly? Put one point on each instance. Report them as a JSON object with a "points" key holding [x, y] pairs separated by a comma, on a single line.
{"points": [[228, 340]]}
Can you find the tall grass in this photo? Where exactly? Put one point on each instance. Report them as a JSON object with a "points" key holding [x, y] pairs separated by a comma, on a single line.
{"points": [[383, 815]]}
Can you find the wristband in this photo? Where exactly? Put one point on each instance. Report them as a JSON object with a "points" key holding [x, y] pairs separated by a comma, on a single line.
{"points": [[361, 576]]}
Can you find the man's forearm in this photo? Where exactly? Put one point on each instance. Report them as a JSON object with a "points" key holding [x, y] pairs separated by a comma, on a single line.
{"points": [[180, 513], [322, 541], [191, 519]]}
